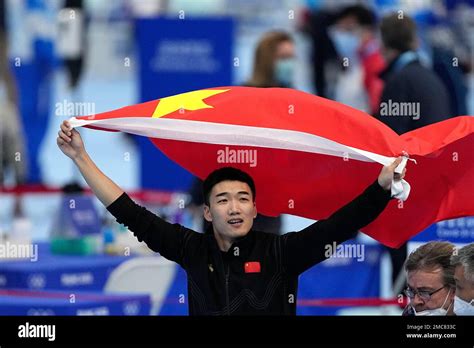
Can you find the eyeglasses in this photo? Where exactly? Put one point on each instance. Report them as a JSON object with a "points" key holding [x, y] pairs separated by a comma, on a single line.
{"points": [[423, 294]]}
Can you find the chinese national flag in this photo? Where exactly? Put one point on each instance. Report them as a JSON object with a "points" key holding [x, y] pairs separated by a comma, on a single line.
{"points": [[309, 156], [252, 267]]}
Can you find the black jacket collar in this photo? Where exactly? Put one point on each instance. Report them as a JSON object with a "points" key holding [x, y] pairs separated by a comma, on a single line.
{"points": [[244, 244], [391, 68]]}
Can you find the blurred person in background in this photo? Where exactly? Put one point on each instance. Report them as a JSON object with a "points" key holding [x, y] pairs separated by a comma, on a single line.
{"points": [[35, 61], [71, 46], [356, 29], [274, 66], [274, 63], [463, 261], [11, 131], [13, 155], [12, 144], [408, 81], [430, 278], [325, 61], [71, 43], [450, 56]]}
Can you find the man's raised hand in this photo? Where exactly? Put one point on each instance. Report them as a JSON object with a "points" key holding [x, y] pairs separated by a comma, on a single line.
{"points": [[388, 174], [69, 141]]}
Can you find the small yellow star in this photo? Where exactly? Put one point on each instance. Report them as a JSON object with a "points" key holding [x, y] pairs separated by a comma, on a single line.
{"points": [[185, 101]]}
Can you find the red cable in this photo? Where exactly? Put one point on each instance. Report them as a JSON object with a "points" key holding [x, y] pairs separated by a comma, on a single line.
{"points": [[353, 302], [150, 196], [328, 302], [60, 294]]}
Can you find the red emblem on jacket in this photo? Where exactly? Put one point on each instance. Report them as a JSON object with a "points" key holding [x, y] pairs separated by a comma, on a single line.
{"points": [[252, 267]]}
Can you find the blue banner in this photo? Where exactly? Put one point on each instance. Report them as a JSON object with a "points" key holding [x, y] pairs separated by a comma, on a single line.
{"points": [[339, 277], [178, 56], [34, 303], [459, 231]]}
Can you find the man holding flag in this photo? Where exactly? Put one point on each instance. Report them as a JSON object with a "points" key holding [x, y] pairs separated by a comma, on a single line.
{"points": [[232, 269]]}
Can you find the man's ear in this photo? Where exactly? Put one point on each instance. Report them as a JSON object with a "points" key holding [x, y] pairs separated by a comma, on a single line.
{"points": [[255, 209], [452, 293], [207, 213]]}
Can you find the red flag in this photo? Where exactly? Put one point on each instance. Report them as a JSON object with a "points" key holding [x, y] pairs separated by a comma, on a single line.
{"points": [[252, 267], [308, 155]]}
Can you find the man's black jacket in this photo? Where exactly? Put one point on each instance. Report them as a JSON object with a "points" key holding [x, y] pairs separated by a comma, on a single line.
{"points": [[259, 273]]}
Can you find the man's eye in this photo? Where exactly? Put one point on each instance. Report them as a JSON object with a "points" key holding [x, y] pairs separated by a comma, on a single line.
{"points": [[244, 199], [222, 201]]}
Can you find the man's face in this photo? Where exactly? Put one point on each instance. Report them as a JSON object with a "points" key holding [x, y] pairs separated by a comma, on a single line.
{"points": [[231, 209], [429, 281], [464, 288]]}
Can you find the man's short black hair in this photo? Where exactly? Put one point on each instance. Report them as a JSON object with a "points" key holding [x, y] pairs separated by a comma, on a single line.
{"points": [[224, 174], [363, 15]]}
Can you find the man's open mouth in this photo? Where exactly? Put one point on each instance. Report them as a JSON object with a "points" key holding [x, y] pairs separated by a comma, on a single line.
{"points": [[235, 222]]}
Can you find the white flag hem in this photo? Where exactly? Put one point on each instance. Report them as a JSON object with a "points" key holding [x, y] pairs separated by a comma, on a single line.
{"points": [[231, 134]]}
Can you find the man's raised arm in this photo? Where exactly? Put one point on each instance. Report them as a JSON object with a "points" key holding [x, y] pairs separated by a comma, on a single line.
{"points": [[168, 239], [302, 250], [70, 142]]}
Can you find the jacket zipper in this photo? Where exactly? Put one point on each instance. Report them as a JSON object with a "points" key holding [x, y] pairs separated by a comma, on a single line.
{"points": [[226, 274], [227, 289]]}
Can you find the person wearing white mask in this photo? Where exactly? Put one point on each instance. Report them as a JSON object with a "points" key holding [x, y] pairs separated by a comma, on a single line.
{"points": [[430, 279], [275, 62], [274, 66], [354, 35], [463, 261]]}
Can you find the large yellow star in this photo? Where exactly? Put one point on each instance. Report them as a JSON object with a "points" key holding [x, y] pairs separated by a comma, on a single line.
{"points": [[185, 101]]}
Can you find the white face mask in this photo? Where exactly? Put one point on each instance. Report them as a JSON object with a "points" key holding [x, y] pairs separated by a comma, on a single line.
{"points": [[462, 307], [346, 43], [437, 311]]}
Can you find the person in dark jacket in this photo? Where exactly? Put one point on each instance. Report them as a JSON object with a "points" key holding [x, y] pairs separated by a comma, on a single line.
{"points": [[413, 95], [233, 269]]}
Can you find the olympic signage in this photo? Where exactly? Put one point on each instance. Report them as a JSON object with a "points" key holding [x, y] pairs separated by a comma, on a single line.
{"points": [[459, 231], [176, 56]]}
